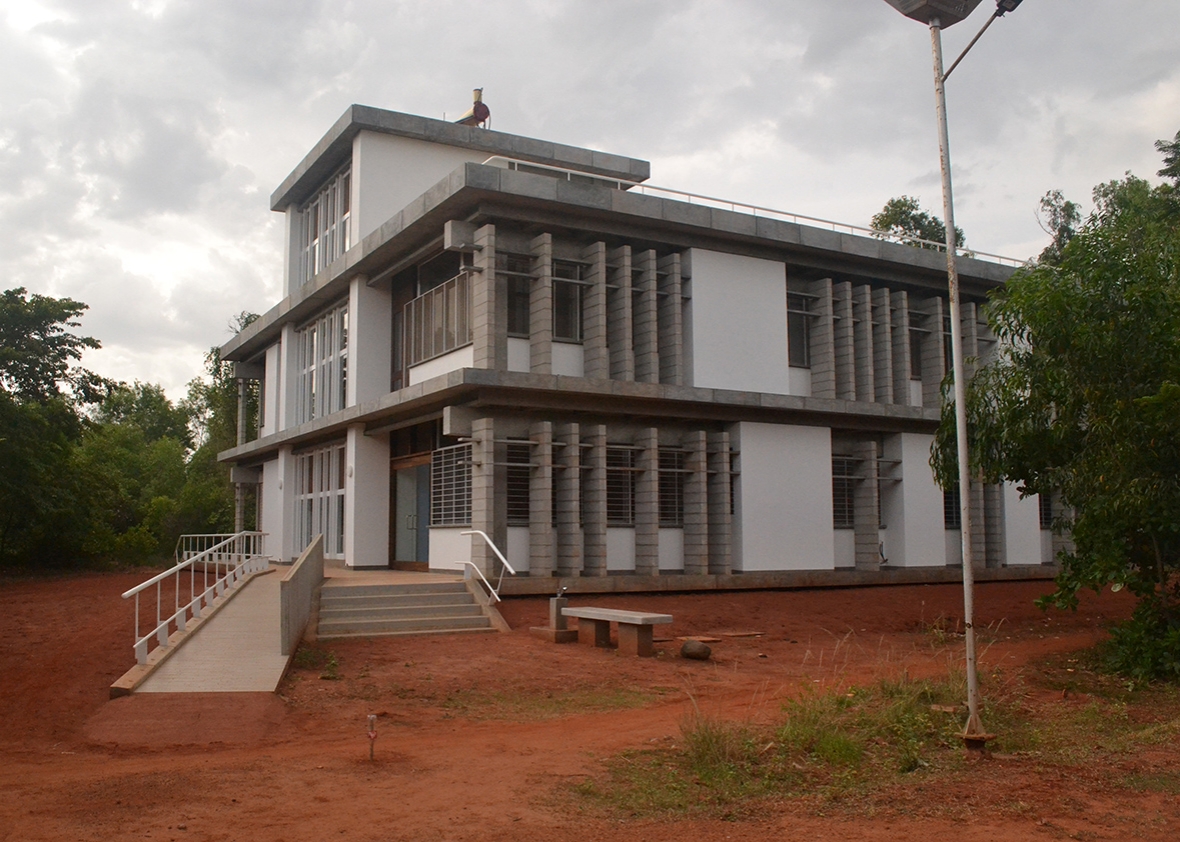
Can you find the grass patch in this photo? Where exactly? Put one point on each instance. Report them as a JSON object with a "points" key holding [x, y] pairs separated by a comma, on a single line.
{"points": [[316, 658], [524, 705]]}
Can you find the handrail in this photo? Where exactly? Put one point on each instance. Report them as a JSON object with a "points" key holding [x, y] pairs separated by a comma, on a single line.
{"points": [[755, 210], [240, 554], [499, 582], [479, 573]]}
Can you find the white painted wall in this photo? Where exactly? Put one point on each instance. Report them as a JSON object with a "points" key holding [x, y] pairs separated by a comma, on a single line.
{"points": [[568, 359], [799, 381], [785, 507], [517, 550], [270, 391], [274, 516], [915, 393], [283, 509], [953, 546], [366, 499], [845, 547], [448, 547], [370, 329], [287, 374], [913, 507], [739, 323], [519, 354], [620, 549], [389, 172], [671, 548], [459, 358], [1022, 528]]}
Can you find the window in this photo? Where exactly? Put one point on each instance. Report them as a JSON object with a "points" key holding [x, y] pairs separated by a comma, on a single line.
{"points": [[621, 476], [915, 353], [798, 331], [450, 486], [518, 472], [567, 300], [516, 270], [672, 479], [1046, 506], [843, 479], [319, 498], [322, 350], [439, 320], [948, 346], [952, 516], [323, 226]]}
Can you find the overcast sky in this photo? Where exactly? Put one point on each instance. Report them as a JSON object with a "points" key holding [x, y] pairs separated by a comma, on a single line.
{"points": [[140, 141]]}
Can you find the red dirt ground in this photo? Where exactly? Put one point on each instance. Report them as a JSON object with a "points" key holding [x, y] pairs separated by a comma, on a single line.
{"points": [[294, 766]]}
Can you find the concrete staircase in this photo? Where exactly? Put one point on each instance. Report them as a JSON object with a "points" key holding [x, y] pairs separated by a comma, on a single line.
{"points": [[389, 609]]}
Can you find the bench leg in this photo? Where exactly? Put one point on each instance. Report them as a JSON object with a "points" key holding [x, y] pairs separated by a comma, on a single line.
{"points": [[636, 640], [594, 632]]}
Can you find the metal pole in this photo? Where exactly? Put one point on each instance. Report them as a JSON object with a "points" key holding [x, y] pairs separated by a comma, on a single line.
{"points": [[973, 731], [239, 491]]}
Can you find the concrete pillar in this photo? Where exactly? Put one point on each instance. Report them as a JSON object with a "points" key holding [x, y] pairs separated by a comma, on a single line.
{"points": [[366, 498], [620, 325], [671, 326], [370, 327], [900, 343], [594, 500], [844, 342], [882, 346], [489, 491], [489, 305], [541, 306], [720, 517], [862, 332], [993, 526], [823, 339], [567, 479], [285, 411], [696, 504], [865, 519], [647, 503], [933, 349], [646, 318], [978, 527], [596, 354], [541, 533]]}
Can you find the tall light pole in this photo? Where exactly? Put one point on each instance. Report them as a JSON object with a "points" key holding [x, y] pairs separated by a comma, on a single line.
{"points": [[939, 14]]}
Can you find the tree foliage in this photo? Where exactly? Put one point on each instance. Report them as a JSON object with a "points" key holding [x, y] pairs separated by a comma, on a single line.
{"points": [[903, 217], [1083, 398]]}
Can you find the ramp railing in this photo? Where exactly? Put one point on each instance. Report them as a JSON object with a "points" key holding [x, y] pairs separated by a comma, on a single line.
{"points": [[470, 566], [208, 567]]}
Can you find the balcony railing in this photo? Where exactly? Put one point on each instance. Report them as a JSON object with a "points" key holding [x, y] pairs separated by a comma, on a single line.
{"points": [[439, 320]]}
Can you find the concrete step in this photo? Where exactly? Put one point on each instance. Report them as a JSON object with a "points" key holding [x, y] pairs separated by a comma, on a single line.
{"points": [[329, 600], [407, 633], [407, 612], [415, 625], [387, 590]]}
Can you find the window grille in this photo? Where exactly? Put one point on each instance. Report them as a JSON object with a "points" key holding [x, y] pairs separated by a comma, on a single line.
{"points": [[322, 350], [568, 280], [798, 331], [843, 488], [450, 486], [319, 498], [915, 353], [672, 479], [952, 516], [323, 226], [516, 269], [518, 473], [1046, 507], [438, 321], [621, 479]]}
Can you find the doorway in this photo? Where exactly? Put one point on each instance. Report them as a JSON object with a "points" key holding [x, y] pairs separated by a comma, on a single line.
{"points": [[409, 494]]}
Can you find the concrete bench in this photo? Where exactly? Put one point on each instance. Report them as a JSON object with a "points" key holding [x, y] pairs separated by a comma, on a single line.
{"points": [[635, 628]]}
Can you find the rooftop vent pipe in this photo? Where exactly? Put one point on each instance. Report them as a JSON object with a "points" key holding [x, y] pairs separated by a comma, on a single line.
{"points": [[479, 113]]}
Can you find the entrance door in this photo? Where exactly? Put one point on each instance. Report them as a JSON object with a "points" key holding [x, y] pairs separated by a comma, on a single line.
{"points": [[411, 515]]}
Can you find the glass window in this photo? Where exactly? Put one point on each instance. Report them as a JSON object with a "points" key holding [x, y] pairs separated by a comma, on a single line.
{"points": [[322, 354], [952, 516], [518, 474], [672, 478], [450, 486], [323, 226], [567, 301], [319, 498], [621, 476], [843, 478], [798, 331]]}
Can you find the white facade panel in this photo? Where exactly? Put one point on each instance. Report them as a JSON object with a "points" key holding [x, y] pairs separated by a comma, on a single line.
{"points": [[273, 521], [739, 323], [459, 358], [517, 550], [449, 547], [912, 508], [671, 548], [953, 548], [284, 509], [366, 499], [785, 510], [620, 549], [270, 391], [1022, 528], [799, 381], [519, 354], [369, 336], [845, 543], [568, 359]]}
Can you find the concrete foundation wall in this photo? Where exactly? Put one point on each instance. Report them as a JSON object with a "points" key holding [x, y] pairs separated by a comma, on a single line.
{"points": [[785, 512], [739, 323]]}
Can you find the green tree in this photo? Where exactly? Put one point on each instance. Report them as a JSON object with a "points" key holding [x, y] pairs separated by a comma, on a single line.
{"points": [[1082, 398], [1059, 218], [904, 218]]}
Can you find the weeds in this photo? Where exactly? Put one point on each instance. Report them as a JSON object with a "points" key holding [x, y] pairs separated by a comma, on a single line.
{"points": [[527, 706]]}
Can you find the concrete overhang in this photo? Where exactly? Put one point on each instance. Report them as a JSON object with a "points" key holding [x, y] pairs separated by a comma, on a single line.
{"points": [[335, 148]]}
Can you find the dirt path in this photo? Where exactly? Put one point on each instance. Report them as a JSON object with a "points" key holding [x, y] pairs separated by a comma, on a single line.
{"points": [[294, 766]]}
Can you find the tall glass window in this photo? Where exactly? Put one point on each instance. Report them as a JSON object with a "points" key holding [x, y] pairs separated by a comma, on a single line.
{"points": [[323, 226], [319, 498], [322, 348]]}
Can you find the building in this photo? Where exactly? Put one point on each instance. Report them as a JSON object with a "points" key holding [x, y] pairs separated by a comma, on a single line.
{"points": [[623, 386]]}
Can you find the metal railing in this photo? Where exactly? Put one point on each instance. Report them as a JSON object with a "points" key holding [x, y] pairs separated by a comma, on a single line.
{"points": [[495, 592], [743, 207], [439, 320], [218, 562]]}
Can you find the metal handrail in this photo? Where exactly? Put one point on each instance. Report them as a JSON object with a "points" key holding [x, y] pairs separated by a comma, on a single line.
{"points": [[756, 210], [495, 596], [240, 554], [499, 582]]}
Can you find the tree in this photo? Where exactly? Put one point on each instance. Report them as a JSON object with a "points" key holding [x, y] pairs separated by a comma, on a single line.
{"points": [[1059, 218], [904, 218], [37, 350], [1082, 398]]}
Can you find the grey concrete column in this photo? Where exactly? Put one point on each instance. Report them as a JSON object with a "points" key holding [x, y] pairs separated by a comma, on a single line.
{"points": [[647, 503], [567, 479], [823, 340], [489, 305], [843, 332], [488, 494], [933, 349], [594, 501], [863, 356], [541, 306], [541, 538], [596, 354], [696, 504], [671, 325], [865, 520], [979, 527], [646, 318], [969, 322], [619, 321], [720, 518], [882, 346], [900, 340], [994, 551]]}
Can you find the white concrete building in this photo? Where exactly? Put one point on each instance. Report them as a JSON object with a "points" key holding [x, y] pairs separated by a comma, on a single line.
{"points": [[626, 387]]}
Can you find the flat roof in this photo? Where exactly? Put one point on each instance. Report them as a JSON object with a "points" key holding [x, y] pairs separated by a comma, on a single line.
{"points": [[335, 147]]}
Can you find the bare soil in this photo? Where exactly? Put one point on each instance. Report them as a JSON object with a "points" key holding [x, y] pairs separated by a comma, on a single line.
{"points": [[484, 737]]}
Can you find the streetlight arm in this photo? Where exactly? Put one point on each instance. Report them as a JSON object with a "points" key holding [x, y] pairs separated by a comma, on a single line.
{"points": [[978, 35]]}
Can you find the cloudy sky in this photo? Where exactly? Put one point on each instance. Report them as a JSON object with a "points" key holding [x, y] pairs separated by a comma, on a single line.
{"points": [[140, 140]]}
